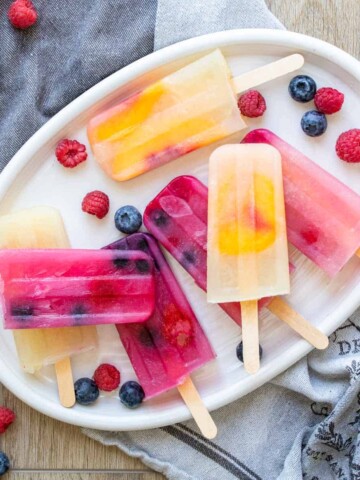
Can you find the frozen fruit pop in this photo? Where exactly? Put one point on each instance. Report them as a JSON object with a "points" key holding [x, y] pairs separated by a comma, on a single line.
{"points": [[177, 217], [247, 255], [171, 345], [322, 214], [41, 227], [67, 287], [184, 111]]}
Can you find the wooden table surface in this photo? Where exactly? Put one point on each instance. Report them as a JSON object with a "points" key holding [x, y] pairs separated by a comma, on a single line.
{"points": [[41, 448]]}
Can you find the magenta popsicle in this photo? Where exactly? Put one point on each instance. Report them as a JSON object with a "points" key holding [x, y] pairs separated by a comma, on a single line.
{"points": [[62, 288], [322, 214], [177, 217], [167, 348]]}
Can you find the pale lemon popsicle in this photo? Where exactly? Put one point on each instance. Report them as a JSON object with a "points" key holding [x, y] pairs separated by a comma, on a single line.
{"points": [[41, 227], [188, 109], [247, 257]]}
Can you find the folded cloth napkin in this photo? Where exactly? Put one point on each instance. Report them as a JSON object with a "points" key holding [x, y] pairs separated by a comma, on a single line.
{"points": [[304, 424]]}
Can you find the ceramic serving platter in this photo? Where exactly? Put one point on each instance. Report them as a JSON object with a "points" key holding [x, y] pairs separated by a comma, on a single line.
{"points": [[34, 177]]}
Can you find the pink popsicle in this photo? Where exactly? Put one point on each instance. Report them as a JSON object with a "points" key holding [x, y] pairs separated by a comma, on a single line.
{"points": [[171, 344], [322, 214], [62, 288]]}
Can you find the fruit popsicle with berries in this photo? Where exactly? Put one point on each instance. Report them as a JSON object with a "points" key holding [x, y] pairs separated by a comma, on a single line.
{"points": [[171, 345], [322, 214], [184, 111], [42, 227], [247, 255], [66, 287], [177, 217]]}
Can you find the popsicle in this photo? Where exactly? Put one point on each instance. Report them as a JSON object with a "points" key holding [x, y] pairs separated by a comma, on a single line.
{"points": [[322, 214], [67, 287], [41, 227], [247, 256], [184, 111], [166, 349], [177, 217]]}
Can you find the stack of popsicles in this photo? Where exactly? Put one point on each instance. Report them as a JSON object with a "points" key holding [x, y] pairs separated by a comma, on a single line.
{"points": [[231, 238], [65, 288], [171, 344]]}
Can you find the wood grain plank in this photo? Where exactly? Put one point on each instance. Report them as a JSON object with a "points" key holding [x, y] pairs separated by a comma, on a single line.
{"points": [[66, 475], [38, 442], [335, 21]]}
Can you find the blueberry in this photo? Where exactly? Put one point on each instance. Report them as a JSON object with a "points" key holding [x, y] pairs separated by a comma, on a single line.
{"points": [[239, 352], [302, 88], [314, 123], [4, 463], [128, 219], [145, 337], [131, 394], [189, 256], [19, 310], [142, 266], [78, 310], [142, 245], [86, 391], [120, 263], [160, 218]]}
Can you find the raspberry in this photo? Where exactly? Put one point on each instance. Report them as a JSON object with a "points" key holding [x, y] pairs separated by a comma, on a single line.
{"points": [[107, 377], [177, 328], [7, 417], [22, 14], [252, 104], [96, 203], [328, 100], [348, 146], [70, 153]]}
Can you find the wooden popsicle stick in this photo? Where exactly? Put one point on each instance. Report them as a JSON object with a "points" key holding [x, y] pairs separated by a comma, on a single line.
{"points": [[250, 335], [358, 253], [197, 408], [298, 323], [268, 72], [65, 382]]}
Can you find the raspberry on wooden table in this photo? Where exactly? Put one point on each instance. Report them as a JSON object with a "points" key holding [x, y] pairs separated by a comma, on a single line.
{"points": [[7, 417]]}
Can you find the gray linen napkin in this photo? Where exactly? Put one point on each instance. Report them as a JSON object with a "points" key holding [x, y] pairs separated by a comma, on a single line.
{"points": [[304, 424]]}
